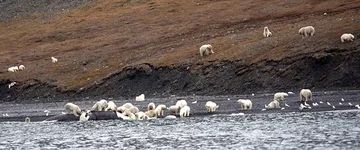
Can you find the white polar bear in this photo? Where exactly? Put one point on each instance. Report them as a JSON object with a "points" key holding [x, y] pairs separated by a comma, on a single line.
{"points": [[134, 109], [159, 110], [305, 95], [181, 103], [206, 50], [267, 32], [211, 106], [151, 106], [174, 110], [100, 105], [84, 116], [140, 98], [111, 106], [71, 108], [307, 31], [280, 96], [21, 67], [150, 113], [141, 116], [13, 69], [273, 104], [128, 105], [246, 104], [184, 112], [347, 37]]}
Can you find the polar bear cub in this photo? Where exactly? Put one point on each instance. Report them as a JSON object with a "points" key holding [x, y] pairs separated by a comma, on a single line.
{"points": [[347, 37], [159, 110], [185, 111], [267, 32], [307, 31], [206, 50], [305, 95], [246, 104], [71, 108], [211, 106], [100, 105], [280, 96], [111, 106]]}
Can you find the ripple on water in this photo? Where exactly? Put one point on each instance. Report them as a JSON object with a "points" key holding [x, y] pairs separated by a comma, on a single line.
{"points": [[316, 130]]}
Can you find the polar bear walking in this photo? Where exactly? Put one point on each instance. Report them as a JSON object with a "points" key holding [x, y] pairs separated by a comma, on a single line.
{"points": [[246, 104], [280, 96], [267, 32], [71, 108], [347, 37], [307, 31], [305, 95], [206, 50], [185, 111], [100, 105], [211, 106]]}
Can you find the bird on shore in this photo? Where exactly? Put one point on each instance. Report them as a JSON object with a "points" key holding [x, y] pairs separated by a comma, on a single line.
{"points": [[287, 105], [340, 103], [282, 108], [263, 109], [350, 104], [194, 102], [321, 102], [290, 92], [328, 103], [315, 104], [357, 106], [342, 99], [333, 107]]}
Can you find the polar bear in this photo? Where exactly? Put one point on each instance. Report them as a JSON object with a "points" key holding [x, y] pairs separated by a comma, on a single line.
{"points": [[174, 110], [134, 109], [307, 31], [347, 37], [184, 112], [280, 96], [100, 105], [141, 116], [111, 106], [273, 104], [150, 113], [71, 108], [246, 104], [211, 106], [128, 105], [181, 103], [206, 50], [140, 98], [151, 106], [267, 32], [84, 116], [305, 95], [159, 110]]}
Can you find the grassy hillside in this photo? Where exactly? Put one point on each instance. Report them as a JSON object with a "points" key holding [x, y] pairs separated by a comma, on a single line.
{"points": [[98, 39]]}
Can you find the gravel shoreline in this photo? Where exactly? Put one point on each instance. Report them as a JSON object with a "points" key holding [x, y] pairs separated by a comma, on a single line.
{"points": [[227, 104]]}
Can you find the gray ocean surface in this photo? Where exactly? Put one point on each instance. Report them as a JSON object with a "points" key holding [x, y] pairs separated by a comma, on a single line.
{"points": [[291, 130]]}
